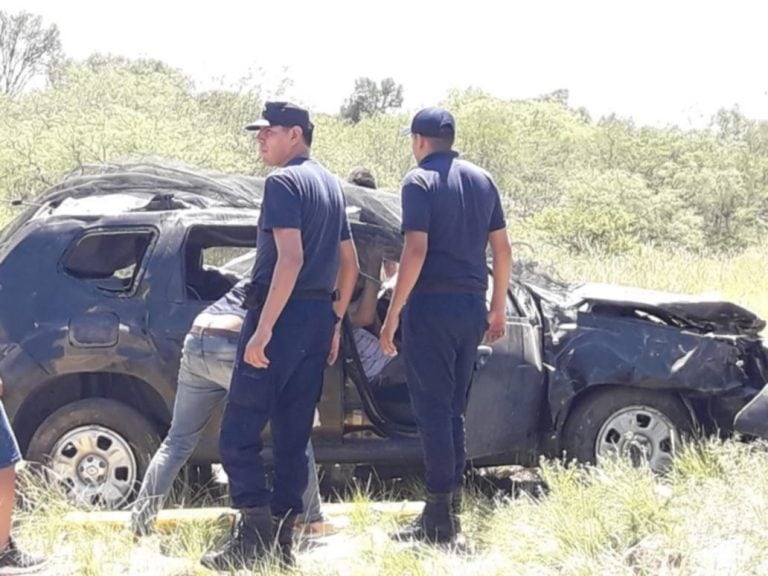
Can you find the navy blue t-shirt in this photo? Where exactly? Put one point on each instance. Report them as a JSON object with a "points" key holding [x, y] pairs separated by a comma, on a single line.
{"points": [[231, 302], [457, 204], [304, 195]]}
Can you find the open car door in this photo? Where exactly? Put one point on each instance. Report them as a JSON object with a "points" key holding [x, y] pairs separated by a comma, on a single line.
{"points": [[508, 392]]}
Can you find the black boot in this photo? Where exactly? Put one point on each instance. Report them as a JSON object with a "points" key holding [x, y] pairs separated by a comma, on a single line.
{"points": [[284, 529], [434, 525], [248, 543], [456, 504], [456, 500]]}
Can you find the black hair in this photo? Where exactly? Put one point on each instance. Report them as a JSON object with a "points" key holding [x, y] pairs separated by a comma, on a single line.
{"points": [[362, 177], [444, 141], [307, 133]]}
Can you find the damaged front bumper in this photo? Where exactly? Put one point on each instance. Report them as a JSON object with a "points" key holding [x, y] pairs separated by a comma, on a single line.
{"points": [[719, 373]]}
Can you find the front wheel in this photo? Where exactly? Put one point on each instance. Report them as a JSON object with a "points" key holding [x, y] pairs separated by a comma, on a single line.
{"points": [[639, 426], [97, 448]]}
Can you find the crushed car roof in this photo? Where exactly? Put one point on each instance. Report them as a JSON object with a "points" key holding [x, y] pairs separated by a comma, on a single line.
{"points": [[120, 188]]}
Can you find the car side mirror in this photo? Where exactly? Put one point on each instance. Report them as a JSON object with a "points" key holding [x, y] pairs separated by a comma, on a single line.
{"points": [[483, 355]]}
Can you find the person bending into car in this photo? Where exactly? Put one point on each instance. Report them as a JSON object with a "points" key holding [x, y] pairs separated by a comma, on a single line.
{"points": [[207, 361], [451, 211], [305, 257]]}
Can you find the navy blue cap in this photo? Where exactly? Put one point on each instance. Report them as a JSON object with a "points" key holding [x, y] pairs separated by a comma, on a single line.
{"points": [[432, 122], [282, 114]]}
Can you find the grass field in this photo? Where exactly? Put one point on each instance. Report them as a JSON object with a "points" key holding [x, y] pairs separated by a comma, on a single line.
{"points": [[707, 515]]}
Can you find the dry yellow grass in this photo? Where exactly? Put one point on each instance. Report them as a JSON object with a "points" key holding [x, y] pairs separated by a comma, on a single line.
{"points": [[706, 516]]}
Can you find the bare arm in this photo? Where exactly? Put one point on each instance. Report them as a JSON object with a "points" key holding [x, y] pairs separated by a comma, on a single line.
{"points": [[365, 314], [290, 258], [501, 252], [345, 283], [346, 277], [411, 262]]}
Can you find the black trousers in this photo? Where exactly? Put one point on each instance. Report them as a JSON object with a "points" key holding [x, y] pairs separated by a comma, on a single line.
{"points": [[285, 395], [441, 333]]}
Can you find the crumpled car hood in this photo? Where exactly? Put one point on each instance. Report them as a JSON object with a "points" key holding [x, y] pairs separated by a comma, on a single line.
{"points": [[701, 312], [603, 334]]}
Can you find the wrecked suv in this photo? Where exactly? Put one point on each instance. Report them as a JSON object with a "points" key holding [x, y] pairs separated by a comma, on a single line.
{"points": [[102, 275]]}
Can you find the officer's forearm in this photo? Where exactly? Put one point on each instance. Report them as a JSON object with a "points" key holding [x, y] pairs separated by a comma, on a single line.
{"points": [[411, 263], [283, 281], [346, 276], [501, 252], [290, 259]]}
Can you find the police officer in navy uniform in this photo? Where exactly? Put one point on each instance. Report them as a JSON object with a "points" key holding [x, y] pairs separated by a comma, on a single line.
{"points": [[451, 212], [304, 256]]}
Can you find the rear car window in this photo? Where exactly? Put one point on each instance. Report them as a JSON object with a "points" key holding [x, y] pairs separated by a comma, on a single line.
{"points": [[110, 261], [208, 250]]}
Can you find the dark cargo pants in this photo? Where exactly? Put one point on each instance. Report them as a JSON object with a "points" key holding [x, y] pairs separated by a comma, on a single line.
{"points": [[285, 395], [441, 333]]}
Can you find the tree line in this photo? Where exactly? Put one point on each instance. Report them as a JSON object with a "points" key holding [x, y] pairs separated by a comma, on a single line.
{"points": [[588, 185]]}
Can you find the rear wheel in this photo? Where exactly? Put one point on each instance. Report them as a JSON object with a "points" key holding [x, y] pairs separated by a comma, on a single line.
{"points": [[641, 426], [98, 449]]}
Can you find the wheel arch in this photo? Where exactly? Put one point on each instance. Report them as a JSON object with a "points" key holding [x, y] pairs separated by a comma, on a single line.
{"points": [[65, 389]]}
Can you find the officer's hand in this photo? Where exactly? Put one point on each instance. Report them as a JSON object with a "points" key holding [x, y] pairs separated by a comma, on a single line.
{"points": [[334, 353], [255, 354], [387, 335], [497, 325]]}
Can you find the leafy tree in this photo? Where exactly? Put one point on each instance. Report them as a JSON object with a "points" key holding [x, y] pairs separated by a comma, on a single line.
{"points": [[27, 49], [370, 98], [731, 124], [589, 187], [560, 96]]}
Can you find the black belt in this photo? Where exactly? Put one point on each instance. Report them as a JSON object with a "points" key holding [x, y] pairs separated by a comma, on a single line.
{"points": [[437, 289], [315, 295], [208, 331], [256, 295], [448, 286]]}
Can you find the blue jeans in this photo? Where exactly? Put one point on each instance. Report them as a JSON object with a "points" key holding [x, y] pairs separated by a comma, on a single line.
{"points": [[9, 448], [284, 395], [204, 378], [441, 333]]}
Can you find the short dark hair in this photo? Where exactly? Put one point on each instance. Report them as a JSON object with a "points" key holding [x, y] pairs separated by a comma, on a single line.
{"points": [[307, 134], [362, 177], [442, 142]]}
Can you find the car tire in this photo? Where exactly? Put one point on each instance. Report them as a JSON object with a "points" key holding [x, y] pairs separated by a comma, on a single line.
{"points": [[98, 449], [642, 426]]}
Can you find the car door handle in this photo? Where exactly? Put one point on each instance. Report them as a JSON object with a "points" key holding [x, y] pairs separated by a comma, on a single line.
{"points": [[484, 354]]}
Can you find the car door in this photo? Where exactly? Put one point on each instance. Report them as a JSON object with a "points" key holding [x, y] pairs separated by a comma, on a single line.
{"points": [[104, 274], [199, 273], [508, 390], [202, 262]]}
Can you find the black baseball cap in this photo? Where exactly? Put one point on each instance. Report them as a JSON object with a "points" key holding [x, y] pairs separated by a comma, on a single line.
{"points": [[282, 114], [433, 122]]}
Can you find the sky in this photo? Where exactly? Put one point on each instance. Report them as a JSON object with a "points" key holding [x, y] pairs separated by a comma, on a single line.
{"points": [[660, 62]]}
